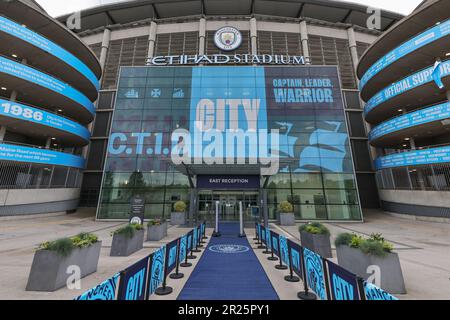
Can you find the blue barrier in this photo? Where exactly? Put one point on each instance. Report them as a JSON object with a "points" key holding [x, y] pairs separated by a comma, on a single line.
{"points": [[16, 30], [29, 74], [433, 34], [26, 113], [11, 152], [326, 279], [143, 278]]}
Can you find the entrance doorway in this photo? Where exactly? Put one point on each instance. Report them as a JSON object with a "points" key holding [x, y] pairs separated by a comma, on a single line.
{"points": [[228, 205]]}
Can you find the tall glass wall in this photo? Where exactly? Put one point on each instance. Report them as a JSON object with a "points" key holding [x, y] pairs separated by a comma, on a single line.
{"points": [[305, 104]]}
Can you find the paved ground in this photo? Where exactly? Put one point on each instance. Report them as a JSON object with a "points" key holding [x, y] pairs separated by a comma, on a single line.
{"points": [[423, 247]]}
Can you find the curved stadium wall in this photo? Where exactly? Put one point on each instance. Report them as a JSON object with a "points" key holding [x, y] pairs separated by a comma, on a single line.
{"points": [[49, 81], [405, 82]]}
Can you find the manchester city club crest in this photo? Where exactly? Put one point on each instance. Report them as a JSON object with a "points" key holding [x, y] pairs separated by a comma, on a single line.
{"points": [[228, 248], [228, 38]]}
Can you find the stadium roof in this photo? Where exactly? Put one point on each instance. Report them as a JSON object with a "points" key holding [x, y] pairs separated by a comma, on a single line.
{"points": [[325, 10]]}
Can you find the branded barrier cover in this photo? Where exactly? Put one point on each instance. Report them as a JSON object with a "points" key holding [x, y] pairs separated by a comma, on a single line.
{"points": [[372, 292], [296, 257], [315, 274], [284, 250], [263, 235], [183, 247], [133, 281], [273, 240], [171, 256], [104, 291], [190, 236], [343, 284], [156, 276]]}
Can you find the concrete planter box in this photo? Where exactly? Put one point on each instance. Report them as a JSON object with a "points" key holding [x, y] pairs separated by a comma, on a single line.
{"points": [[286, 219], [178, 218], [156, 232], [354, 260], [319, 243], [49, 270], [123, 246]]}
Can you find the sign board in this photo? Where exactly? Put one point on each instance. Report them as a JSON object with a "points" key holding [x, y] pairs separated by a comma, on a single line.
{"points": [[228, 182], [137, 209]]}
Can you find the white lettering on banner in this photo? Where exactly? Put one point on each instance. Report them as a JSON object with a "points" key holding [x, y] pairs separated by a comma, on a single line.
{"points": [[224, 59]]}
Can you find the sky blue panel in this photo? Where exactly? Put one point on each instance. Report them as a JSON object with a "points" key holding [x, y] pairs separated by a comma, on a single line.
{"points": [[32, 75], [427, 115], [10, 152], [437, 32], [25, 34], [27, 113], [413, 81], [414, 158]]}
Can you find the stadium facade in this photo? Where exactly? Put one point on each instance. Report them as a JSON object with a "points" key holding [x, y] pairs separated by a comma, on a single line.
{"points": [[405, 83]]}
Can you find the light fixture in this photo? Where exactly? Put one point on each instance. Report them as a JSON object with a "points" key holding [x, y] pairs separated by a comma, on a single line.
{"points": [[405, 145], [59, 110], [400, 110], [14, 55], [3, 88], [53, 138], [447, 54], [406, 139]]}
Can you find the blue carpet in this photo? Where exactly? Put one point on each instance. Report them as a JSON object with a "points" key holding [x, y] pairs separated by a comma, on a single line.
{"points": [[228, 276]]}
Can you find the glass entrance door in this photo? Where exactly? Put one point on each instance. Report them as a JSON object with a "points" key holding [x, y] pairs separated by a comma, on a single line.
{"points": [[228, 205]]}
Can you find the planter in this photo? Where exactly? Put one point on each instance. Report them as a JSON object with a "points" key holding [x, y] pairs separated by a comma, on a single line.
{"points": [[178, 218], [123, 246], [319, 243], [49, 269], [356, 261], [286, 219], [156, 232]]}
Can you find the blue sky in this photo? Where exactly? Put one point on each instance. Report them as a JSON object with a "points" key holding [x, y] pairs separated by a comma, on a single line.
{"points": [[58, 7]]}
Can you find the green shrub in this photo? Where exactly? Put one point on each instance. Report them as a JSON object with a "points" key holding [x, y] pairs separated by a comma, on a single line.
{"points": [[286, 207], [314, 228], [64, 246], [374, 245], [155, 222], [343, 239], [179, 206], [129, 230]]}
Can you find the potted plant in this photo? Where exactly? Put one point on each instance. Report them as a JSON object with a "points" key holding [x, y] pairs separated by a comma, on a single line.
{"points": [[127, 240], [371, 256], [316, 237], [178, 216], [156, 229], [52, 259], [286, 214]]}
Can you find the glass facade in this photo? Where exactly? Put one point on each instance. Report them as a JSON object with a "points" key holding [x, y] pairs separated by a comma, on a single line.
{"points": [[304, 104]]}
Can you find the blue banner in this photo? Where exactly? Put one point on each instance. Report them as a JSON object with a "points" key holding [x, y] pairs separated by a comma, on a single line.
{"points": [[274, 243], [437, 32], [263, 235], [268, 242], [413, 81], [171, 256], [374, 293], [29, 74], [295, 251], [27, 113], [183, 247], [414, 158], [343, 284], [11, 152], [156, 275], [133, 281], [315, 275], [46, 45], [104, 291], [284, 250], [416, 118], [190, 237]]}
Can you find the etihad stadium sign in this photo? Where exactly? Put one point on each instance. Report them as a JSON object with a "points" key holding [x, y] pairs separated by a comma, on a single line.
{"points": [[221, 59]]}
